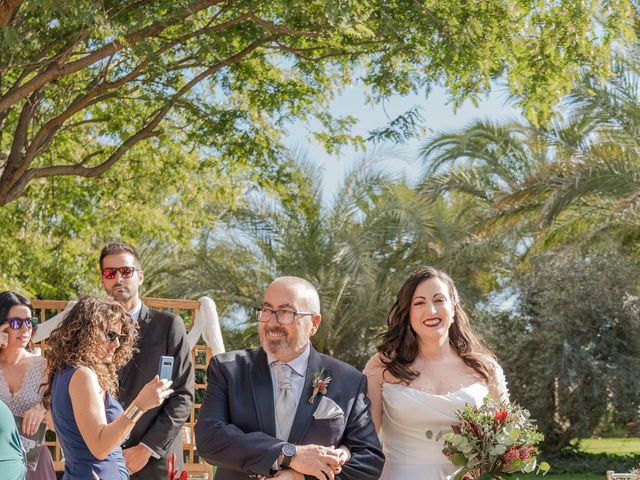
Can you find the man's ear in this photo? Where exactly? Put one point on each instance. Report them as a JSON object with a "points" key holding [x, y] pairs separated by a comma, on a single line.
{"points": [[315, 323], [140, 277]]}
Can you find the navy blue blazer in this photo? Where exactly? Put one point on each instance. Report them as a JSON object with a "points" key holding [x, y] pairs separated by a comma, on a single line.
{"points": [[236, 424]]}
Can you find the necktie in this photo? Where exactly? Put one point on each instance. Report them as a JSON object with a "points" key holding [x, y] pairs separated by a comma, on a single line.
{"points": [[285, 403]]}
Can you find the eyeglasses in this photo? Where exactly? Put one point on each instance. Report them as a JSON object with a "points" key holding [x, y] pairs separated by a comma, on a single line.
{"points": [[283, 317], [110, 272], [111, 336], [17, 322]]}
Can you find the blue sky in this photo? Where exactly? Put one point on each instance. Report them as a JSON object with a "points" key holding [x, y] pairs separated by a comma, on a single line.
{"points": [[403, 159]]}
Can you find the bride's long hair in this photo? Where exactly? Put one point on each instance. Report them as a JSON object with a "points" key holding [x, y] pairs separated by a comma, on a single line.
{"points": [[400, 343]]}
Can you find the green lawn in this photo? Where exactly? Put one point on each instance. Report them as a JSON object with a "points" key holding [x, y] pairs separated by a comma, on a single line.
{"points": [[611, 446]]}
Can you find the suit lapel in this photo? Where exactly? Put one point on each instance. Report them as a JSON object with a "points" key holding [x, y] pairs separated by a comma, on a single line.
{"points": [[262, 391], [144, 319], [304, 414]]}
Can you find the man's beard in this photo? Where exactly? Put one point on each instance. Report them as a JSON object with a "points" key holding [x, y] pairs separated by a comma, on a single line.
{"points": [[279, 343], [123, 295]]}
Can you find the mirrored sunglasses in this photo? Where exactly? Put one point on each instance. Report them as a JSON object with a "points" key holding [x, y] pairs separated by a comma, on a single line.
{"points": [[110, 272], [16, 322]]}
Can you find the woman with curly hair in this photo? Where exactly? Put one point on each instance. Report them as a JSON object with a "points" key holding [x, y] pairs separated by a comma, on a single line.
{"points": [[430, 364], [21, 375], [92, 342]]}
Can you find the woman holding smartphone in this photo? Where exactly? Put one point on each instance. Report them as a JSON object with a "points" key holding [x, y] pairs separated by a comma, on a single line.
{"points": [[90, 345], [21, 375]]}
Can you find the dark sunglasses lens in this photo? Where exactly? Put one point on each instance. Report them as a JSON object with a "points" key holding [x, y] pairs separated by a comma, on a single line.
{"points": [[111, 336], [16, 323], [109, 272], [126, 272]]}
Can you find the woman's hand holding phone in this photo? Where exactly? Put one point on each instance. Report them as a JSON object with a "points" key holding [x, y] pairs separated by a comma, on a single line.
{"points": [[153, 393]]}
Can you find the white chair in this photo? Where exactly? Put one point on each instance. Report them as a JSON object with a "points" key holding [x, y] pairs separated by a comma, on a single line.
{"points": [[622, 476]]}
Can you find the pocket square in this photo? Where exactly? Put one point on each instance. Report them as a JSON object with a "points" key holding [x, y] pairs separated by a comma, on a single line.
{"points": [[327, 409]]}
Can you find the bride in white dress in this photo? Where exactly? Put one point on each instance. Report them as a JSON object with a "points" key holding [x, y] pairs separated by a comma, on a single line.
{"points": [[431, 363]]}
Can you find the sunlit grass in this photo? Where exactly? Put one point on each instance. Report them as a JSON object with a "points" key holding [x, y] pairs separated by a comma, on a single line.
{"points": [[611, 446]]}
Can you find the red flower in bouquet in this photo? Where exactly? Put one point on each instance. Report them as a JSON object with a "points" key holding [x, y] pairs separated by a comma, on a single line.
{"points": [[501, 415], [494, 441]]}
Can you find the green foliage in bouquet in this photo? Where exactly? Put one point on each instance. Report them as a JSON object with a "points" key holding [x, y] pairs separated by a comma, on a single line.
{"points": [[494, 441]]}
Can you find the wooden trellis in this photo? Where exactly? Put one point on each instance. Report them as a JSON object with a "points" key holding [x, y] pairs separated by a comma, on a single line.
{"points": [[200, 354]]}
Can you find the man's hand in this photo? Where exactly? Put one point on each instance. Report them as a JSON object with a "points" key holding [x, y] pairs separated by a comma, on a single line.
{"points": [[288, 474], [344, 453], [136, 457], [321, 462]]}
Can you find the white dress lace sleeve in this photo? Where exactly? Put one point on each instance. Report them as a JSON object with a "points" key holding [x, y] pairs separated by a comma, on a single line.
{"points": [[498, 384], [374, 370]]}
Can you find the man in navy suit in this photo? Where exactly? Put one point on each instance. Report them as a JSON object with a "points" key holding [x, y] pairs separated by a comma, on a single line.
{"points": [[273, 411]]}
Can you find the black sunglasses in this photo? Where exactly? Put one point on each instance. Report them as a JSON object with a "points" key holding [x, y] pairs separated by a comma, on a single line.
{"points": [[111, 337], [110, 272], [16, 322]]}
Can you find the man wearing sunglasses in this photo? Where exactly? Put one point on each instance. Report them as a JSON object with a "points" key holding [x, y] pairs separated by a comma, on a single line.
{"points": [[157, 434], [285, 410]]}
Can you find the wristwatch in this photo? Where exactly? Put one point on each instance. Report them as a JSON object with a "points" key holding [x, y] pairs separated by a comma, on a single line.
{"points": [[288, 452]]}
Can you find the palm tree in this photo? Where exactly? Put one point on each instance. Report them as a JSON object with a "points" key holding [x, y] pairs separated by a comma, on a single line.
{"points": [[577, 181], [357, 250]]}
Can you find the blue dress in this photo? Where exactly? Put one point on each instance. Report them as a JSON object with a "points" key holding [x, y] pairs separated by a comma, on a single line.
{"points": [[79, 462]]}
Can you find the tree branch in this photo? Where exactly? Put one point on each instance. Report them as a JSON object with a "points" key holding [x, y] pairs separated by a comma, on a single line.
{"points": [[79, 169], [56, 71], [283, 30], [47, 132], [8, 8], [15, 167]]}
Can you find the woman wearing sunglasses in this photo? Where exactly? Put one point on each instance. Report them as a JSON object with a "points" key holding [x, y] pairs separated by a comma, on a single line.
{"points": [[21, 375], [93, 341]]}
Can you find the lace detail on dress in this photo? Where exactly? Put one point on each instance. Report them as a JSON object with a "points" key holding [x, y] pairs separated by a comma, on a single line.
{"points": [[445, 385], [375, 372], [498, 384], [29, 393]]}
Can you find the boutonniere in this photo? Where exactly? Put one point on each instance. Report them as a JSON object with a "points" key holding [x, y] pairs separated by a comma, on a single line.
{"points": [[320, 384]]}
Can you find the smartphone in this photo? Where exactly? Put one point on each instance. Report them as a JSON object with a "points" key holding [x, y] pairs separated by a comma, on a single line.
{"points": [[165, 370], [4, 339]]}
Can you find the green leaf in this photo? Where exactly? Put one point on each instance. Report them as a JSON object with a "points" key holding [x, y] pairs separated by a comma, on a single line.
{"points": [[458, 460]]}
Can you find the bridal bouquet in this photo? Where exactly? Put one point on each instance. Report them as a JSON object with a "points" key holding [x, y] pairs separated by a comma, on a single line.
{"points": [[494, 441]]}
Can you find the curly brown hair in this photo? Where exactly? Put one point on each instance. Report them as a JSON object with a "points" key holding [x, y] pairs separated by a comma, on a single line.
{"points": [[80, 337], [400, 343]]}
